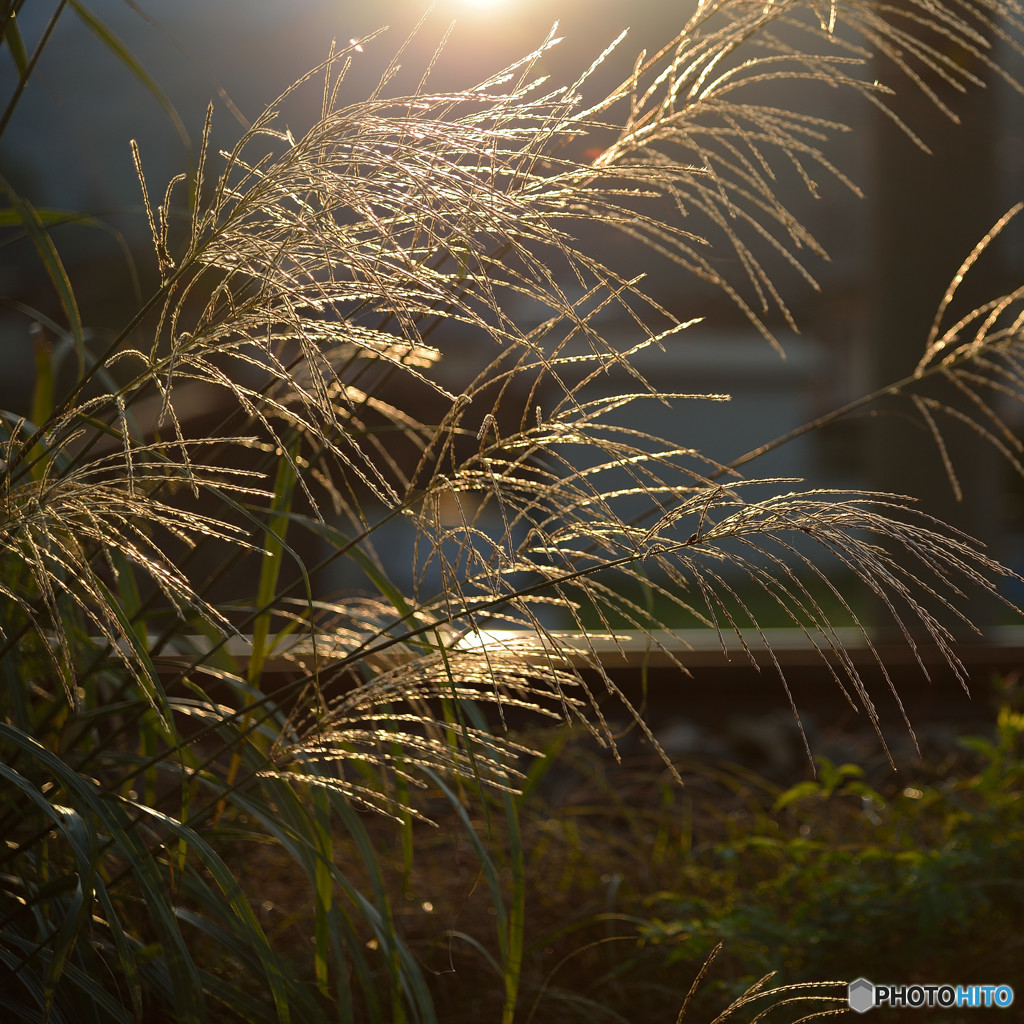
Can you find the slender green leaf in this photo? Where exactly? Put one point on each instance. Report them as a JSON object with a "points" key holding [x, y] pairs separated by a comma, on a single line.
{"points": [[353, 550], [51, 260], [246, 1005], [513, 965], [74, 909], [26, 73], [123, 54], [42, 393], [323, 889], [225, 879], [287, 822], [270, 564], [138, 644], [489, 868], [12, 37], [153, 885]]}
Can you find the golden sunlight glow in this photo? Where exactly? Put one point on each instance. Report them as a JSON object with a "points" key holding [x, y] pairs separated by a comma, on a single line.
{"points": [[482, 5]]}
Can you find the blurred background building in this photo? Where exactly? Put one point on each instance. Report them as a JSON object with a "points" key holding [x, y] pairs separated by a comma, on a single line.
{"points": [[892, 253]]}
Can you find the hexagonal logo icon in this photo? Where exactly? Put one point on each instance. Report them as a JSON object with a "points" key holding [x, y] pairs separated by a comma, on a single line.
{"points": [[861, 995]]}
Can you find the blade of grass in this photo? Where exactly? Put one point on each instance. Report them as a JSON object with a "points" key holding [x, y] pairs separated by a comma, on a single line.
{"points": [[273, 970], [16, 45], [88, 797], [25, 74], [323, 887], [270, 564], [130, 61], [52, 263]]}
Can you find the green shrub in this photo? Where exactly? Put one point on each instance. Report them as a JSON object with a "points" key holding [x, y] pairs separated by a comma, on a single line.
{"points": [[833, 878]]}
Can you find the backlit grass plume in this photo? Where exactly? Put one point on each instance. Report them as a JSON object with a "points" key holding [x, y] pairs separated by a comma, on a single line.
{"points": [[387, 330]]}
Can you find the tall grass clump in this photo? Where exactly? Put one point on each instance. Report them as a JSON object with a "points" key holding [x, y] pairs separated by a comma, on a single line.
{"points": [[392, 320]]}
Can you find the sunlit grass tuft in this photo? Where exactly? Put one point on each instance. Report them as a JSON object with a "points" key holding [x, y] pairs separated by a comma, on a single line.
{"points": [[396, 324]]}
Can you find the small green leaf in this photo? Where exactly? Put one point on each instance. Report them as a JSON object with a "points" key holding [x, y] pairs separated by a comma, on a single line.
{"points": [[801, 791]]}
